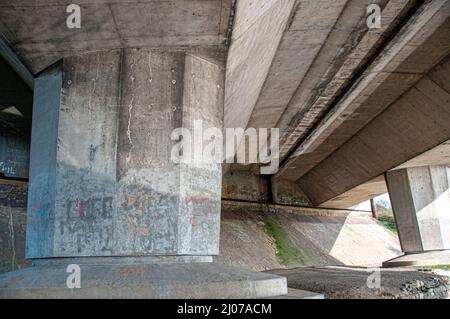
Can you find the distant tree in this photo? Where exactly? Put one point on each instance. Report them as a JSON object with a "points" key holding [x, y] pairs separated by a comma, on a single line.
{"points": [[383, 203]]}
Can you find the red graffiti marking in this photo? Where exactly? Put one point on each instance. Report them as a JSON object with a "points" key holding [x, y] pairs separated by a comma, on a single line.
{"points": [[195, 218], [198, 200], [133, 201], [81, 206], [200, 210], [36, 207], [126, 272], [35, 212], [137, 201], [138, 230]]}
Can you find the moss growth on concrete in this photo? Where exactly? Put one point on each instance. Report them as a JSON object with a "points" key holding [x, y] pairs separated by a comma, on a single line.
{"points": [[287, 253]]}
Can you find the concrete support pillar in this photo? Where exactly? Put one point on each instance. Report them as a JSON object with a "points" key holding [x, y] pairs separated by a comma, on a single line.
{"points": [[104, 191], [373, 207], [420, 198], [110, 187]]}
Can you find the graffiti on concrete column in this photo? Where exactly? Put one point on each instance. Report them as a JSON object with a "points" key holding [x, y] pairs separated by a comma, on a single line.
{"points": [[139, 201], [88, 208], [81, 205], [143, 231], [36, 211], [201, 212]]}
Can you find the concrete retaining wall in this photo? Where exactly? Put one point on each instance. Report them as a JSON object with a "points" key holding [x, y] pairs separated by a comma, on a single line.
{"points": [[13, 203], [14, 156]]}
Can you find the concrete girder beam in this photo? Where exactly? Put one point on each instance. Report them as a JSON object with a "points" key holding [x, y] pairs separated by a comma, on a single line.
{"points": [[397, 68], [415, 123], [437, 156]]}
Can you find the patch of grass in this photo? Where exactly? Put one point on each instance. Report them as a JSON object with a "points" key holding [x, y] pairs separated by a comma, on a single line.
{"points": [[287, 253], [444, 267], [388, 221]]}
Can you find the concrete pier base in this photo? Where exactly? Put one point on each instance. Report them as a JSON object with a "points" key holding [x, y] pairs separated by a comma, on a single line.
{"points": [[428, 258], [141, 280], [107, 195]]}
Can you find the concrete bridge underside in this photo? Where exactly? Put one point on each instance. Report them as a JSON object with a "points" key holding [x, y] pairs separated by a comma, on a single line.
{"points": [[356, 107]]}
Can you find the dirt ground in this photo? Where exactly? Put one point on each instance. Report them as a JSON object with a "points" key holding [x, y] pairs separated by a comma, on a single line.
{"points": [[361, 283]]}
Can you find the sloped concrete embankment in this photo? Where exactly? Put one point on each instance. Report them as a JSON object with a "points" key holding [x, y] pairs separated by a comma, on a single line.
{"points": [[262, 237]]}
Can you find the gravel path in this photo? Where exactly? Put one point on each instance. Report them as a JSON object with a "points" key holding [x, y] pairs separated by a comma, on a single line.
{"points": [[361, 283]]}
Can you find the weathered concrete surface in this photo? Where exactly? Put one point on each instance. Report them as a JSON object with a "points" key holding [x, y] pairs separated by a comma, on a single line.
{"points": [[319, 33], [349, 47], [420, 198], [286, 192], [258, 28], [38, 32], [112, 189], [14, 156], [320, 237], [351, 283], [143, 281], [42, 174], [244, 183], [13, 206]]}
